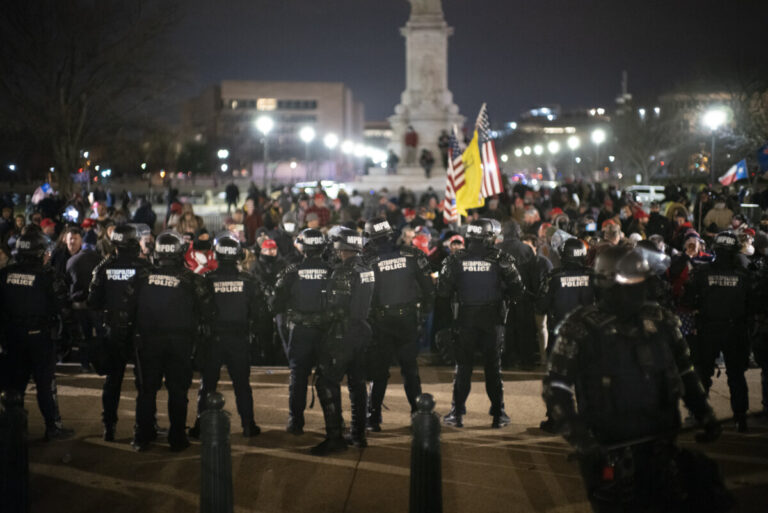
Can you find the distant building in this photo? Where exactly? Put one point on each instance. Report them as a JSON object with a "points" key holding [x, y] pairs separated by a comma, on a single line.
{"points": [[689, 106], [224, 115]]}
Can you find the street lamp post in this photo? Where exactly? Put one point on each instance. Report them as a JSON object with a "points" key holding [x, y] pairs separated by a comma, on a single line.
{"points": [[307, 134], [598, 137], [714, 119], [331, 140], [573, 143], [265, 124]]}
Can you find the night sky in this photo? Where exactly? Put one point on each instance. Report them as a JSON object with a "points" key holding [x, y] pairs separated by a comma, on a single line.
{"points": [[513, 54]]}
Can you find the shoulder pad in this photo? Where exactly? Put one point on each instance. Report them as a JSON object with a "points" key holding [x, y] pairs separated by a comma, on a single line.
{"points": [[410, 251]]}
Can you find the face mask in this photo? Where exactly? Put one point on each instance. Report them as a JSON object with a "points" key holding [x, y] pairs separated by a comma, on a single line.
{"points": [[202, 245], [289, 227], [268, 258]]}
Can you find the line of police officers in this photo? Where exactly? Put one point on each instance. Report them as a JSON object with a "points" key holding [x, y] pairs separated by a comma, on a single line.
{"points": [[618, 363]]}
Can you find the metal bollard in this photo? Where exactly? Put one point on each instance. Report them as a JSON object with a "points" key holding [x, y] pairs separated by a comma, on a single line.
{"points": [[14, 454], [426, 473], [215, 458]]}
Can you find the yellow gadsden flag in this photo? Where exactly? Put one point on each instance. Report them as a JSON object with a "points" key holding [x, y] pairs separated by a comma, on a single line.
{"points": [[469, 196]]}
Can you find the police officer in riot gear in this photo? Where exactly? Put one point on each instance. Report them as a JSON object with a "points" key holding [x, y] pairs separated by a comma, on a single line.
{"points": [[627, 365], [350, 291], [109, 294], [722, 293], [240, 303], [174, 310], [564, 289], [33, 298], [300, 305], [480, 278], [403, 292]]}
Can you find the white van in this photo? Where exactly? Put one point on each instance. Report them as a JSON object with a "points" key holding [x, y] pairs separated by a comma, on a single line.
{"points": [[645, 194]]}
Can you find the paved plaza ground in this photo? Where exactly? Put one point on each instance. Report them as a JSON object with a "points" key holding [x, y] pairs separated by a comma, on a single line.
{"points": [[518, 468]]}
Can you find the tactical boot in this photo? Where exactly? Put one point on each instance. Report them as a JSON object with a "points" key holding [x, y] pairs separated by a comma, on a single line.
{"points": [[194, 431], [741, 423], [295, 426], [109, 432], [56, 432], [329, 446], [178, 443], [251, 430], [453, 418], [139, 446], [500, 420], [548, 426], [357, 440], [373, 420]]}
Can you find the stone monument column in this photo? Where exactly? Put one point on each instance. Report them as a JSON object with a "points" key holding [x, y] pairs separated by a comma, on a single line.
{"points": [[426, 104]]}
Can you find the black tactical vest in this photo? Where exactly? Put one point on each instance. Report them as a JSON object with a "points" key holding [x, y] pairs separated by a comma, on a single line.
{"points": [[309, 287], [628, 382]]}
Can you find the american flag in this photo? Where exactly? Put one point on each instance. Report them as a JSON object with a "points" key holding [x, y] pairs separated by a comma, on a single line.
{"points": [[491, 173], [454, 180]]}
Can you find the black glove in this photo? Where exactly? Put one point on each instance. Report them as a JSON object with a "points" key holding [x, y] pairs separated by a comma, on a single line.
{"points": [[711, 430]]}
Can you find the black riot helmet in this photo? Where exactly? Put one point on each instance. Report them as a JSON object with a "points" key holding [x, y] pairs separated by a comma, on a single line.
{"points": [[170, 245], [348, 240], [606, 262], [227, 248], [726, 242], [657, 261], [311, 241], [377, 228], [574, 252], [632, 268], [31, 246], [484, 229], [125, 237]]}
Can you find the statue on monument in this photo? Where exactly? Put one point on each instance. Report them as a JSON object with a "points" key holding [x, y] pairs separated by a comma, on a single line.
{"points": [[426, 7]]}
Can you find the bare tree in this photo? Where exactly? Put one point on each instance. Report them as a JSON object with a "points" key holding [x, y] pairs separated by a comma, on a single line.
{"points": [[74, 72], [643, 136]]}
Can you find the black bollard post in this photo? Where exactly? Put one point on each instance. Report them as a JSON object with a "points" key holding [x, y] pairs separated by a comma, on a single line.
{"points": [[426, 474], [14, 454], [215, 458]]}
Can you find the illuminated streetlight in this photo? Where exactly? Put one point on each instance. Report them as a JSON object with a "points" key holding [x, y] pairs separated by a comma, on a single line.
{"points": [[223, 153], [714, 119], [641, 112], [504, 157], [538, 149], [12, 167], [553, 147], [331, 141], [657, 111], [527, 150], [611, 158], [574, 142], [518, 152], [359, 150], [598, 136], [347, 147], [143, 165], [224, 168]]}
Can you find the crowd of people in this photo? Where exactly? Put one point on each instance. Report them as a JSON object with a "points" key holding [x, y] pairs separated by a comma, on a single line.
{"points": [[631, 304]]}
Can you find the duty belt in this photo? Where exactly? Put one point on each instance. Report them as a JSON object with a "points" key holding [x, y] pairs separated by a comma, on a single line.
{"points": [[396, 310], [311, 319]]}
